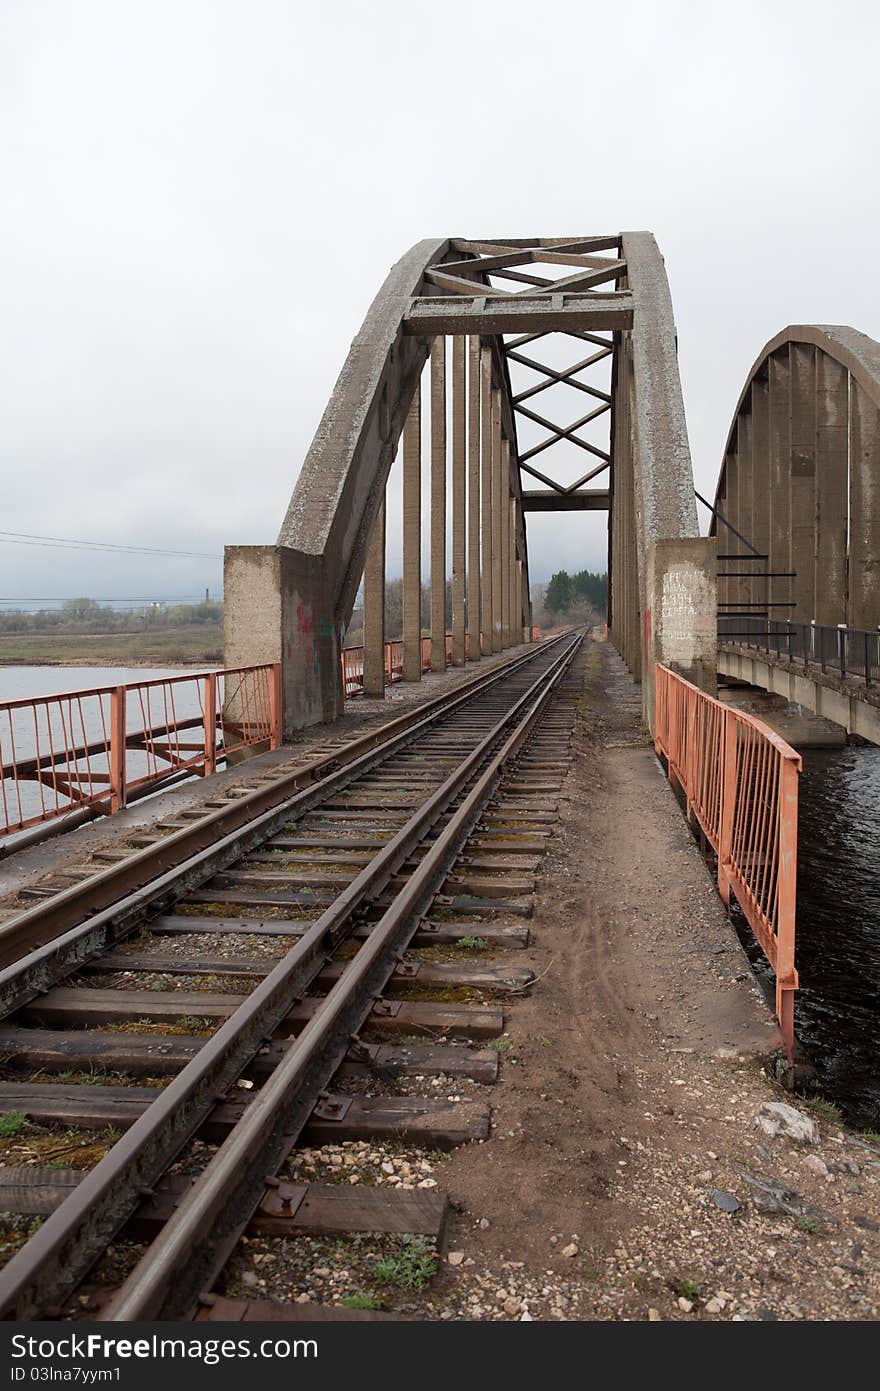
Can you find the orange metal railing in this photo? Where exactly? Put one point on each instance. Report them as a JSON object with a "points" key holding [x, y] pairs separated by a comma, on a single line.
{"points": [[95, 748], [352, 661], [740, 781]]}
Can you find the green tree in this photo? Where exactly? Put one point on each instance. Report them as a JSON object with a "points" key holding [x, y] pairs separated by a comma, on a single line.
{"points": [[80, 609], [558, 598]]}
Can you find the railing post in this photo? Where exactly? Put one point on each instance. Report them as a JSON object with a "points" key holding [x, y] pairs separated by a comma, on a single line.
{"points": [[210, 722], [728, 805], [117, 749], [786, 975], [276, 735], [841, 648]]}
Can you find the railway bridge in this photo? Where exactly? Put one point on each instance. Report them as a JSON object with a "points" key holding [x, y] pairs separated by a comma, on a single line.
{"points": [[270, 980], [582, 323]]}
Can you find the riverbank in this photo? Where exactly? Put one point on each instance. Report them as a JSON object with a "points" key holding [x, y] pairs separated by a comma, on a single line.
{"points": [[193, 644]]}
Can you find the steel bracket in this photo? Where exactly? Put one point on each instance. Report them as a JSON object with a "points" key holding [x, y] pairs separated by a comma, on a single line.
{"points": [[334, 1108]]}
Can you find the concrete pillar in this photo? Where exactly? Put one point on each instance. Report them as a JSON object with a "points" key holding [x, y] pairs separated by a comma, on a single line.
{"points": [[499, 522], [779, 382], [748, 590], [278, 607], [729, 542], [681, 589], [374, 610], [802, 362], [832, 485], [438, 504], [524, 616], [629, 622], [762, 589], [459, 499], [512, 632], [864, 534], [473, 504], [486, 496], [505, 543], [412, 541]]}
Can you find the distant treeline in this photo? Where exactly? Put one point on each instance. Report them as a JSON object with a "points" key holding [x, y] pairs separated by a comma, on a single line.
{"points": [[566, 592], [354, 635], [88, 616]]}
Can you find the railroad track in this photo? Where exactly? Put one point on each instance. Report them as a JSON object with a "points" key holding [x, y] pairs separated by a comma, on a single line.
{"points": [[228, 974]]}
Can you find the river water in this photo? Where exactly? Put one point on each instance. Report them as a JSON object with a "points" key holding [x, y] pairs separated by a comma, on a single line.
{"points": [[87, 721], [838, 925]]}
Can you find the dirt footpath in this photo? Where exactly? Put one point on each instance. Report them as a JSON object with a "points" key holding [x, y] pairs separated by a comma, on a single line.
{"points": [[624, 1120]]}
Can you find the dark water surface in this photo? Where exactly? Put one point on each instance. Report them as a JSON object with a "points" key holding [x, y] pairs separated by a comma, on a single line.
{"points": [[838, 926]]}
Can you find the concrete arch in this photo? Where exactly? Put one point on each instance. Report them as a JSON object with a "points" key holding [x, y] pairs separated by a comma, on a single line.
{"points": [[292, 601], [800, 481]]}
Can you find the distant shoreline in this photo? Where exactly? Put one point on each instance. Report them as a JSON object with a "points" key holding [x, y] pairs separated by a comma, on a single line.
{"points": [[208, 664], [187, 645]]}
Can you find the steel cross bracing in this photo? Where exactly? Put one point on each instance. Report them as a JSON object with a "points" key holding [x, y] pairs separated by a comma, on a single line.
{"points": [[557, 390], [561, 286]]}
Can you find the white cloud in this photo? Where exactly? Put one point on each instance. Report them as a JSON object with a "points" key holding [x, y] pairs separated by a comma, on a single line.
{"points": [[201, 199]]}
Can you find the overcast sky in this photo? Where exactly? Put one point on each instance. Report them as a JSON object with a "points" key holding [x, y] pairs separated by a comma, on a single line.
{"points": [[202, 197]]}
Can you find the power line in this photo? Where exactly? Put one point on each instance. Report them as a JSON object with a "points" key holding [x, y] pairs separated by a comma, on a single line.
{"points": [[24, 538], [146, 599]]}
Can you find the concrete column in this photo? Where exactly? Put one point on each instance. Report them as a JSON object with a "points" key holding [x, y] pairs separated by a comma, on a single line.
{"points": [[728, 542], [524, 624], [762, 589], [486, 496], [748, 590], [832, 484], [459, 499], [681, 587], [779, 382], [802, 360], [629, 622], [499, 523], [512, 628], [473, 503], [505, 543], [412, 541], [438, 504], [278, 607], [864, 534], [374, 610]]}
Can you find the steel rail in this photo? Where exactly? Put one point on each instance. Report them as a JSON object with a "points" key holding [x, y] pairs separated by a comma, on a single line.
{"points": [[40, 945], [75, 1236], [192, 1249]]}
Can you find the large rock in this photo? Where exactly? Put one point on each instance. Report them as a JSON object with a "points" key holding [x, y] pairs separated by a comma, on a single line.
{"points": [[778, 1118]]}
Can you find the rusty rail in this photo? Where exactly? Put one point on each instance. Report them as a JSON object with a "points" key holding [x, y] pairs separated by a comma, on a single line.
{"points": [[740, 781], [94, 748]]}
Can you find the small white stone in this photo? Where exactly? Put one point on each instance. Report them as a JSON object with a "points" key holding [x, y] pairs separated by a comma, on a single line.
{"points": [[778, 1118], [455, 1257], [569, 1251], [685, 1304]]}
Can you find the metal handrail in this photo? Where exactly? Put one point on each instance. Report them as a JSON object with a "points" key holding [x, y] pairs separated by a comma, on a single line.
{"points": [[740, 781], [76, 751], [851, 653]]}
